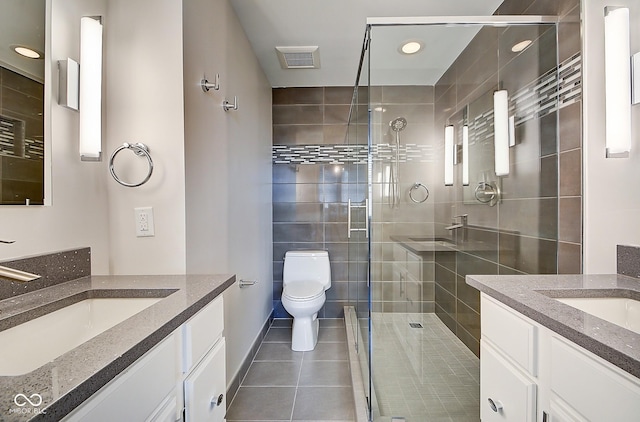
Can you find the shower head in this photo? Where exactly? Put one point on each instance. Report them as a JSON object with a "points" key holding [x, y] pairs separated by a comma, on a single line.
{"points": [[398, 124]]}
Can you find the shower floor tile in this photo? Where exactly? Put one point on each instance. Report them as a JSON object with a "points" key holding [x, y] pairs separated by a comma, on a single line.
{"points": [[424, 374]]}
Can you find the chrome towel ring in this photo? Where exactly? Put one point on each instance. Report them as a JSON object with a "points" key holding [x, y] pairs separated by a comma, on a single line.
{"points": [[140, 150], [415, 186]]}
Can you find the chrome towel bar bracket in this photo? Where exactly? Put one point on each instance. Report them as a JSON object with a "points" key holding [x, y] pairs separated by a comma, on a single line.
{"points": [[246, 283], [140, 150]]}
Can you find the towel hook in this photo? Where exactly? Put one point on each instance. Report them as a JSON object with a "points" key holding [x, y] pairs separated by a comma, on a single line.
{"points": [[228, 106], [206, 85]]}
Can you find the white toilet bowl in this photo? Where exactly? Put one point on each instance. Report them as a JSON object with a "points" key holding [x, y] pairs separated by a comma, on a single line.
{"points": [[306, 276]]}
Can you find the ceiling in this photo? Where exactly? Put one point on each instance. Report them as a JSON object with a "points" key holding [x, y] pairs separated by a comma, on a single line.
{"points": [[22, 22], [337, 27]]}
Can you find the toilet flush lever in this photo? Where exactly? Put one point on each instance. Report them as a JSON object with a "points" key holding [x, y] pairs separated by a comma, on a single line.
{"points": [[246, 283]]}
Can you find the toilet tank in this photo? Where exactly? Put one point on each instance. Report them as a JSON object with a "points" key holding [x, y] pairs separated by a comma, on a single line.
{"points": [[307, 265]]}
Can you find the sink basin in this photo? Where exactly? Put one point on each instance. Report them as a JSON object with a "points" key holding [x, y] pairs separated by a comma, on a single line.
{"points": [[620, 311], [32, 344]]}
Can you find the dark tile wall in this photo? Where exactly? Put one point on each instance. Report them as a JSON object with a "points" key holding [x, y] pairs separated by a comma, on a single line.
{"points": [[402, 279], [22, 139], [536, 228], [310, 200]]}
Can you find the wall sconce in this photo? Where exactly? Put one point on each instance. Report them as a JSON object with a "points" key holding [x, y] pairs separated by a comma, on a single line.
{"points": [[90, 88], [465, 155], [69, 74], [617, 71], [448, 155], [501, 132]]}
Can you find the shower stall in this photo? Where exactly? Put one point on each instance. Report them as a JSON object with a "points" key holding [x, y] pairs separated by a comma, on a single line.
{"points": [[437, 203]]}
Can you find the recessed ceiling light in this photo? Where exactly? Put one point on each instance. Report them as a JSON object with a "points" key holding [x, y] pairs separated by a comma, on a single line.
{"points": [[411, 47], [521, 46], [26, 52]]}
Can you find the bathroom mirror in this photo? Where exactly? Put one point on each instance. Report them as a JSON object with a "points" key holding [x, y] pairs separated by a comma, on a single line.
{"points": [[22, 140]]}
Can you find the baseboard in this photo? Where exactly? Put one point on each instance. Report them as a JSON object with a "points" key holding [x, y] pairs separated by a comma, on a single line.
{"points": [[244, 368]]}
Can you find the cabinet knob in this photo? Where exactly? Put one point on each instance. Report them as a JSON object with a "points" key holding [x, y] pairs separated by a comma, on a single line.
{"points": [[496, 405], [217, 401]]}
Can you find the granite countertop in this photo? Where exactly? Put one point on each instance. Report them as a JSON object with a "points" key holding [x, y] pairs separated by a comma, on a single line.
{"points": [[424, 245], [532, 295], [68, 380]]}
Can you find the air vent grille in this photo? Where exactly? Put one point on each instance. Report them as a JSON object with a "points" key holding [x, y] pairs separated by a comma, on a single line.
{"points": [[299, 57]]}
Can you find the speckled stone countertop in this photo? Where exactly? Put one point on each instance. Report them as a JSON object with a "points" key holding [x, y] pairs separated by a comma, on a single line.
{"points": [[68, 380], [532, 295]]}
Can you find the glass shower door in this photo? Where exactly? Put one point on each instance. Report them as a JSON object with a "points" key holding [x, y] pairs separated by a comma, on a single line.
{"points": [[358, 219]]}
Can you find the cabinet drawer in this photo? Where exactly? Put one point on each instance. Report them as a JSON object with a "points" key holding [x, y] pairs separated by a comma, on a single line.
{"points": [[598, 390], [506, 386], [511, 333], [205, 385], [202, 331]]}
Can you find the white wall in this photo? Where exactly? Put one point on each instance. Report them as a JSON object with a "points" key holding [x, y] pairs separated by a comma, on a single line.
{"points": [[228, 169], [144, 103], [611, 193], [78, 215]]}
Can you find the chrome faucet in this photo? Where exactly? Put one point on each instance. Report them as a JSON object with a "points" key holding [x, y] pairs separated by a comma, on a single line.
{"points": [[456, 225]]}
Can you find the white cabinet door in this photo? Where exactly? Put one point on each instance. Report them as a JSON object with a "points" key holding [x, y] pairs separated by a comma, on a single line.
{"points": [[137, 392], [204, 387], [506, 394]]}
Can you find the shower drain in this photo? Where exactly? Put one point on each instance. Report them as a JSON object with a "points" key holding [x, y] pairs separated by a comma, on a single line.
{"points": [[415, 325]]}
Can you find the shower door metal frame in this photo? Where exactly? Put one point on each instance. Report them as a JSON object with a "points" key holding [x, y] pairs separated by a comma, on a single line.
{"points": [[498, 20]]}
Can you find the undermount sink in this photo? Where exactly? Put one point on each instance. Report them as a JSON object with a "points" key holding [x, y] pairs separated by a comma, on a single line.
{"points": [[616, 310], [28, 346], [435, 241]]}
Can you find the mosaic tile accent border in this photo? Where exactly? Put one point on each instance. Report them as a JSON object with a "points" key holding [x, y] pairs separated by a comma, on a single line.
{"points": [[349, 154]]}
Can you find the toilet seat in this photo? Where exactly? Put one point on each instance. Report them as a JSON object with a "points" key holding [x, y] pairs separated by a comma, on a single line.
{"points": [[303, 291]]}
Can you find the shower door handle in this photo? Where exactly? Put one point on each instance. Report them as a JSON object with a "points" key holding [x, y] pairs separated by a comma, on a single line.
{"points": [[366, 219]]}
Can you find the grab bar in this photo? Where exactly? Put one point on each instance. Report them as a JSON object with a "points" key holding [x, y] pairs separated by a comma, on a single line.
{"points": [[366, 219]]}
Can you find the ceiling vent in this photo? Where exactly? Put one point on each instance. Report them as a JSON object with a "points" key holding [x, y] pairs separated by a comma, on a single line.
{"points": [[299, 57]]}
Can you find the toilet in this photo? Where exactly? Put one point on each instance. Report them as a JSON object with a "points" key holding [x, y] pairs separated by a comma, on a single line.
{"points": [[306, 276]]}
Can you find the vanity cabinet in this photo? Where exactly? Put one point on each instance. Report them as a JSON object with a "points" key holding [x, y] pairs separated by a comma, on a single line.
{"points": [[181, 378], [530, 373]]}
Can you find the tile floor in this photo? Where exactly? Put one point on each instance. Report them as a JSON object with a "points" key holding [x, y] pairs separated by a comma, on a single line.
{"points": [[423, 374], [283, 385]]}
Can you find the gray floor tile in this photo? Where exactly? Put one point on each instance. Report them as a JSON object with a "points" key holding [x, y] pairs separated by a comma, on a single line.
{"points": [[279, 335], [282, 322], [272, 374], [277, 352], [325, 373], [332, 334], [262, 404], [323, 403], [332, 322], [328, 351]]}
